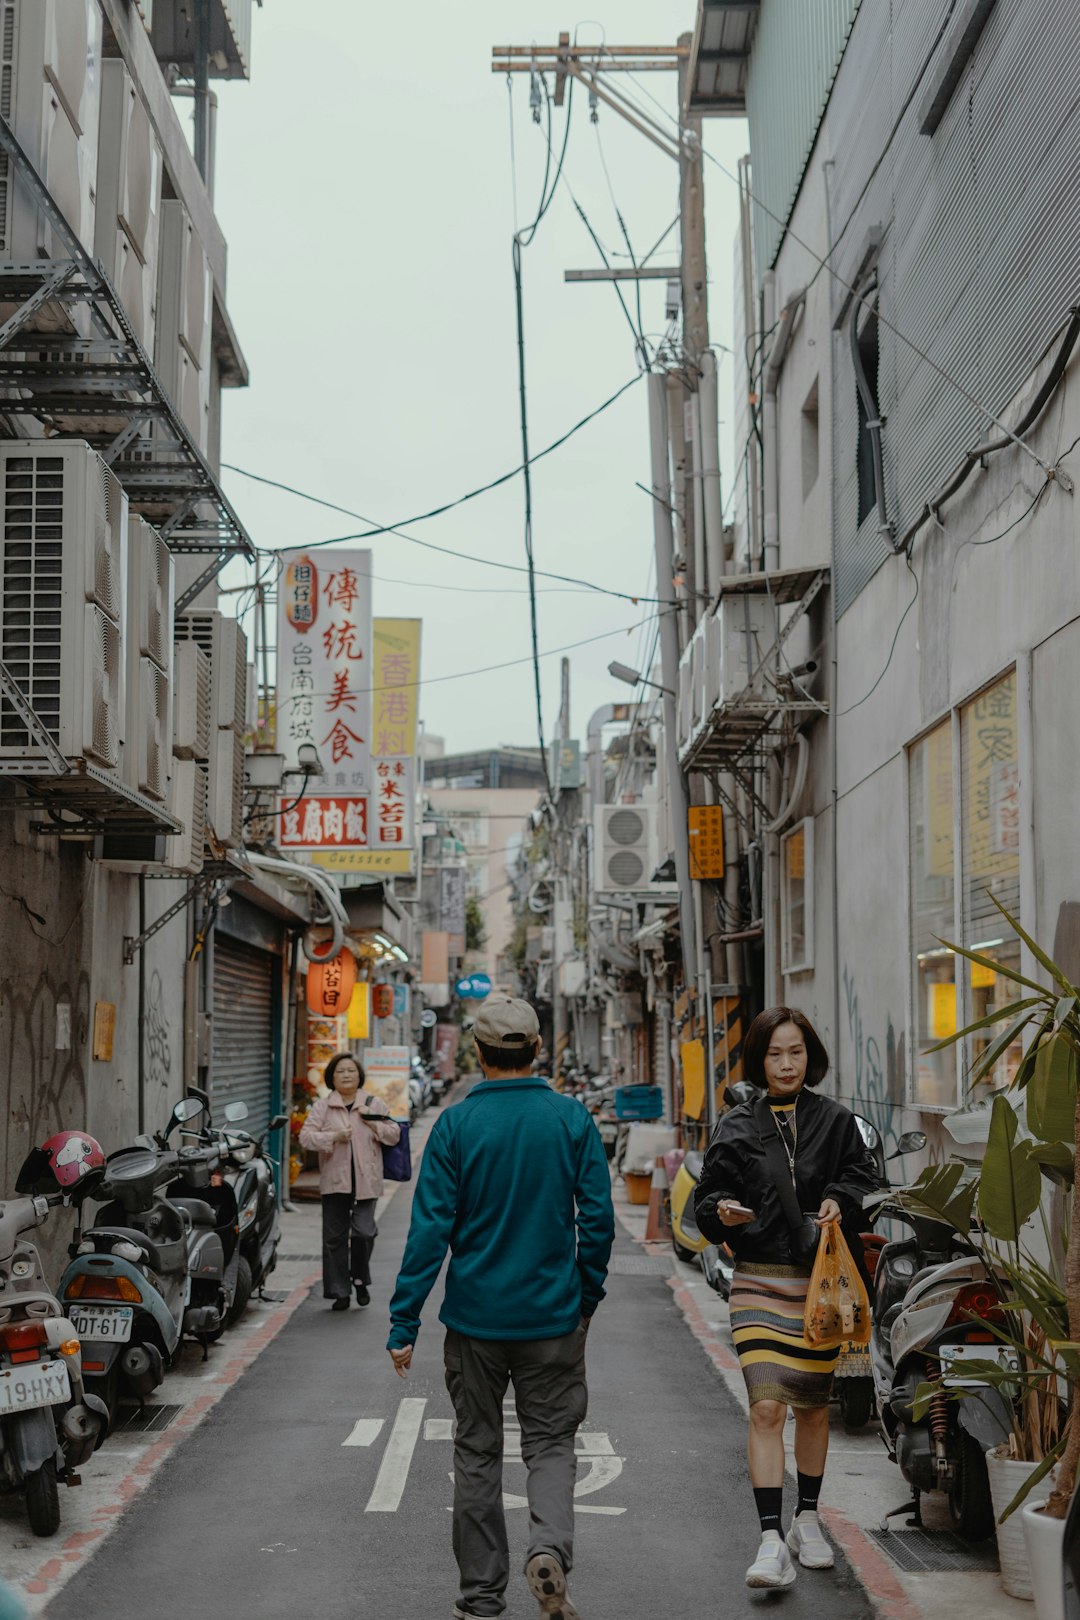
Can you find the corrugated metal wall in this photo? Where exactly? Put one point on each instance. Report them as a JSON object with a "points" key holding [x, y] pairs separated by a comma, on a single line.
{"points": [[242, 1062], [981, 259], [796, 53]]}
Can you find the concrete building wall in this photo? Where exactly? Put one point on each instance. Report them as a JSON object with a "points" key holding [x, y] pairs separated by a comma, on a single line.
{"points": [[503, 812]]}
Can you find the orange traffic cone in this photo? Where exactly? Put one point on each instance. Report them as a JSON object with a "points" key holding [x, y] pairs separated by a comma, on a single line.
{"points": [[658, 1226]]}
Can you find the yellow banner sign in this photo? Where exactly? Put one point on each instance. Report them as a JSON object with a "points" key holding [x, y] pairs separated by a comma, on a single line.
{"points": [[396, 691], [364, 860]]}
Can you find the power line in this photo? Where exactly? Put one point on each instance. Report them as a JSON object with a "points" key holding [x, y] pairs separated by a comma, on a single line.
{"points": [[447, 506]]}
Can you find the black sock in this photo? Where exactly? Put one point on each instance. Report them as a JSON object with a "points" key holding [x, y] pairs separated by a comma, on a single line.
{"points": [[770, 1503], [809, 1491]]}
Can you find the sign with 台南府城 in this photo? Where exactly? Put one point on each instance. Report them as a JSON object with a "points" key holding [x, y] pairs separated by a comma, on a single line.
{"points": [[325, 664], [395, 687]]}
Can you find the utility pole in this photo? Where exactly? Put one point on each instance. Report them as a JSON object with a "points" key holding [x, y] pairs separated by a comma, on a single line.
{"points": [[695, 293], [562, 902]]}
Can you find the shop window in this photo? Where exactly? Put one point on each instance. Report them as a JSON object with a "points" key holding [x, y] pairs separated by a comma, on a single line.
{"points": [[797, 898], [990, 818], [933, 915]]}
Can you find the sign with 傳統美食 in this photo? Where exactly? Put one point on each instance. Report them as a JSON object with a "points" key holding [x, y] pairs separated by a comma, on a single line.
{"points": [[325, 665]]}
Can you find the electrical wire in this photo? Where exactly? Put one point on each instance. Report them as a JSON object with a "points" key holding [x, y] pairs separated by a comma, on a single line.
{"points": [[896, 637], [447, 506], [626, 239]]}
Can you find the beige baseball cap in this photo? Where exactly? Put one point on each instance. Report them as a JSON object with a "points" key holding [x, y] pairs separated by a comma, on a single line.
{"points": [[507, 1023]]}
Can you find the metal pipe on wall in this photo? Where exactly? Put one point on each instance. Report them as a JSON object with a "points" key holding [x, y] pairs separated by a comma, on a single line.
{"points": [[712, 505], [702, 583], [663, 538]]}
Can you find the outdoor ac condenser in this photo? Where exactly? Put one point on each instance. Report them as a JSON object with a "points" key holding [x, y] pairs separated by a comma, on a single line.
{"points": [[191, 701], [225, 809], [187, 802], [63, 567], [182, 332], [225, 645], [149, 657], [128, 218], [50, 67], [745, 633], [624, 847]]}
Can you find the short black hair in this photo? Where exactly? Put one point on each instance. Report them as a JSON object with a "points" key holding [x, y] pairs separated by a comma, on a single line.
{"points": [[505, 1058], [341, 1057], [761, 1032]]}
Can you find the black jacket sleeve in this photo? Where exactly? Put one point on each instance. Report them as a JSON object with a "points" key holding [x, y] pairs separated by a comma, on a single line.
{"points": [[854, 1172], [721, 1177]]}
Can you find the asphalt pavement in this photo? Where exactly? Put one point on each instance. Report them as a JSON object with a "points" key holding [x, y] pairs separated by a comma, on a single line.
{"points": [[321, 1483]]}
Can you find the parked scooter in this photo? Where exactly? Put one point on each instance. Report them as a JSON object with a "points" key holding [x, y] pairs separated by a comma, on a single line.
{"points": [[717, 1263], [148, 1272], [853, 1381], [934, 1308], [49, 1423], [250, 1173]]}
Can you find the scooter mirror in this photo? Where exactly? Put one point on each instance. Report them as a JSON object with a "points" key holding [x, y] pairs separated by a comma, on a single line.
{"points": [[186, 1109], [277, 1122], [235, 1112], [910, 1142], [741, 1091], [869, 1133], [144, 1141]]}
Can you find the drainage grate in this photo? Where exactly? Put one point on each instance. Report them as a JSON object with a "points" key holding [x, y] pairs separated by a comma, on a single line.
{"points": [[640, 1265], [147, 1420], [932, 1552], [282, 1257]]}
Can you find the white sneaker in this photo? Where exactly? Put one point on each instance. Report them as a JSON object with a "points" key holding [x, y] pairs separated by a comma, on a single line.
{"points": [[807, 1542], [772, 1567]]}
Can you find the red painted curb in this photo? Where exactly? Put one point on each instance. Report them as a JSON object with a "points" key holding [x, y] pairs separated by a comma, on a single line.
{"points": [[85, 1542], [870, 1565], [710, 1341]]}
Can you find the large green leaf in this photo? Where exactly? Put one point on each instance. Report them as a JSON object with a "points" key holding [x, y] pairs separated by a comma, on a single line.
{"points": [[994, 1017], [1051, 1092], [998, 967], [944, 1191], [1010, 1185], [1055, 1160]]}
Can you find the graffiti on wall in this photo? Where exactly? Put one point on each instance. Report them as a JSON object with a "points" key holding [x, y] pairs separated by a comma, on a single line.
{"points": [[156, 1037], [878, 1090], [46, 1086]]}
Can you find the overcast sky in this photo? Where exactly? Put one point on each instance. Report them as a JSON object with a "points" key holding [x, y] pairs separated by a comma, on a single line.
{"points": [[364, 184]]}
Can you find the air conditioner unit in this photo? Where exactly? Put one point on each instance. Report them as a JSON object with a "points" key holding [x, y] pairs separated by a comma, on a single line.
{"points": [[148, 743], [746, 633], [225, 645], [63, 565], [191, 701], [148, 639], [150, 593], [128, 219], [50, 69], [225, 806], [182, 336], [187, 802], [625, 847]]}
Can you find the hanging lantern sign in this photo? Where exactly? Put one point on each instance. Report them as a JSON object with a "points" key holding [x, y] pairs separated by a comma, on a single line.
{"points": [[382, 1000], [330, 984], [360, 1011]]}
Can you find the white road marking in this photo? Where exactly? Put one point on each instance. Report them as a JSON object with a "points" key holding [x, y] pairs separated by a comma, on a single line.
{"points": [[439, 1429], [364, 1432], [394, 1469]]}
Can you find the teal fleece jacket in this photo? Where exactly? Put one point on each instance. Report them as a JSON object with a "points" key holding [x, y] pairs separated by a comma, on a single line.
{"points": [[515, 1183]]}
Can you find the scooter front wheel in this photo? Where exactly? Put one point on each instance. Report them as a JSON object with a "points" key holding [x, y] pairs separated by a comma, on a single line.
{"points": [[970, 1503], [43, 1500], [856, 1396], [243, 1291], [687, 1256]]}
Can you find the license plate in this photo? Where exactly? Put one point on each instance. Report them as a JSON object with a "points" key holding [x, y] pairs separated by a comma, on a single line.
{"points": [[854, 1364], [43, 1384], [953, 1357], [112, 1322]]}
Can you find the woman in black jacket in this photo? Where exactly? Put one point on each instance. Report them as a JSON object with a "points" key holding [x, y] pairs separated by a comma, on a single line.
{"points": [[789, 1130]]}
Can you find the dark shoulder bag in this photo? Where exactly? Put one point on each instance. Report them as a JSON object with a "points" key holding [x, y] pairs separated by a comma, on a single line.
{"points": [[396, 1157], [803, 1230]]}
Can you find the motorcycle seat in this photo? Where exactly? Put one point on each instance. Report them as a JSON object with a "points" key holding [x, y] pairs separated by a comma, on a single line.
{"points": [[106, 1236], [200, 1211]]}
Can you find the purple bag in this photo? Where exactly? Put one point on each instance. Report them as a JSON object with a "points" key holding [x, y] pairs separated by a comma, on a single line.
{"points": [[397, 1160]]}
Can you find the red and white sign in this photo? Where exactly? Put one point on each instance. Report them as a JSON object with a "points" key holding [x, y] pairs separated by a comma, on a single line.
{"points": [[393, 804], [322, 823], [325, 667]]}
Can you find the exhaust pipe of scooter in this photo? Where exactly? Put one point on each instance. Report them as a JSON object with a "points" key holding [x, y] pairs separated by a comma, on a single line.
{"points": [[143, 1368], [201, 1319]]}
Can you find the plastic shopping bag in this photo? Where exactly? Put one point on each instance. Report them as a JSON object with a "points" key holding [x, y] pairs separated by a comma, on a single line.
{"points": [[837, 1304]]}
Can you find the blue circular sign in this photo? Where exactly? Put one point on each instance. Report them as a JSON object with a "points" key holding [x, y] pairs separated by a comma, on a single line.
{"points": [[475, 987]]}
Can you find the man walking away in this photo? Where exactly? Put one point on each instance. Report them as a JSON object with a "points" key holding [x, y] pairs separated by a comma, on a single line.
{"points": [[515, 1182]]}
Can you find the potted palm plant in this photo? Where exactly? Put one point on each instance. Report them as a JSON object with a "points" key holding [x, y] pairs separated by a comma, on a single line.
{"points": [[1040, 1316]]}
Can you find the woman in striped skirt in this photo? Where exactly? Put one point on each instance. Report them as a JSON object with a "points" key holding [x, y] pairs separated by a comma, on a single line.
{"points": [[737, 1202]]}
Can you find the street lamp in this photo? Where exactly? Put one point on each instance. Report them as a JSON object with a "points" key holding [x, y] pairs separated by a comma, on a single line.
{"points": [[623, 672]]}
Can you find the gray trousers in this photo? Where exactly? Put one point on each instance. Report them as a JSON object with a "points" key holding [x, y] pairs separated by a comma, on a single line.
{"points": [[551, 1397], [348, 1237]]}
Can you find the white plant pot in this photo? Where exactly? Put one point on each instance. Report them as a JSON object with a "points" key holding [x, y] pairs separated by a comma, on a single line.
{"points": [[1006, 1477], [1045, 1540]]}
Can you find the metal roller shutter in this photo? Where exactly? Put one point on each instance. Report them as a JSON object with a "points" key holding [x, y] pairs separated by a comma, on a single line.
{"points": [[241, 1068]]}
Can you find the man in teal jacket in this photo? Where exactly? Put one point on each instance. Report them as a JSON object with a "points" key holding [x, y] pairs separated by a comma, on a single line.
{"points": [[515, 1183]]}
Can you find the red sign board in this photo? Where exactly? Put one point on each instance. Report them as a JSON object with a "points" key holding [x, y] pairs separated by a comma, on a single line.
{"points": [[325, 823]]}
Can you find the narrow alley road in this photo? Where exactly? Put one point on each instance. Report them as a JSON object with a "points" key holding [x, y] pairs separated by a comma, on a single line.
{"points": [[321, 1483]]}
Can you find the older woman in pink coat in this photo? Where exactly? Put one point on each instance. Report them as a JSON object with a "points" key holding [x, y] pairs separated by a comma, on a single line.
{"points": [[349, 1146]]}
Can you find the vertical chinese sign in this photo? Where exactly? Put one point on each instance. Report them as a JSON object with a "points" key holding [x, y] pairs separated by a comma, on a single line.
{"points": [[324, 658]]}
